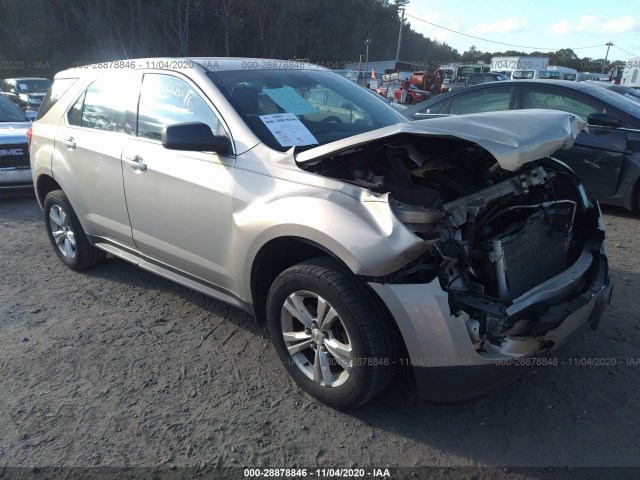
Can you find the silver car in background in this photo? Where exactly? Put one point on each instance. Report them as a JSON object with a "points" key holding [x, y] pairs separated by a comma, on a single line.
{"points": [[366, 242], [15, 173]]}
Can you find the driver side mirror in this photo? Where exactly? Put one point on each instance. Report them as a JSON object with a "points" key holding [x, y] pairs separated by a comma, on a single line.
{"points": [[604, 120], [194, 137]]}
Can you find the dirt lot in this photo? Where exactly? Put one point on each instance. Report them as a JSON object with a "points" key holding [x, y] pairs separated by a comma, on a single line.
{"points": [[117, 367]]}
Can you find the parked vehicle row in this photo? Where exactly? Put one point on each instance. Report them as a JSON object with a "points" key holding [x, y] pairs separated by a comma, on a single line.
{"points": [[477, 78], [459, 241], [27, 92]]}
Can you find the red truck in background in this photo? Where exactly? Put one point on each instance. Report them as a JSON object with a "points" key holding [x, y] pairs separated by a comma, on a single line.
{"points": [[429, 82]]}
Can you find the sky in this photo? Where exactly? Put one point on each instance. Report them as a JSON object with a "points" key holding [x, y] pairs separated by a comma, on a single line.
{"points": [[543, 25]]}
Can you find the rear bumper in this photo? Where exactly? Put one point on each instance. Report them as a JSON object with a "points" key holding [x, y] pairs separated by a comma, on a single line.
{"points": [[15, 178], [448, 366]]}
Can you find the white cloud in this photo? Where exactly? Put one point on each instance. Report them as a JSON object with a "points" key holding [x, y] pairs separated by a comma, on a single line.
{"points": [[592, 23], [508, 25], [434, 33], [620, 25], [560, 28], [587, 22]]}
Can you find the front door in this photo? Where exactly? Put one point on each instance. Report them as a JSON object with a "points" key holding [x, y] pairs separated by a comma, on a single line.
{"points": [[179, 202]]}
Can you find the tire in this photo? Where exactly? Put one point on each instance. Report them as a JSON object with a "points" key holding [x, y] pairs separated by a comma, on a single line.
{"points": [[343, 357], [331, 120], [66, 234]]}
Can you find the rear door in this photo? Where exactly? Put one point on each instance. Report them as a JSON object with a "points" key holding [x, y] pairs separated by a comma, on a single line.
{"points": [[596, 157], [89, 142], [179, 202]]}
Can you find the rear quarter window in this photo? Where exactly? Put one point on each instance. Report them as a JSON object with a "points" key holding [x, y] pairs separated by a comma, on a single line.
{"points": [[57, 89]]}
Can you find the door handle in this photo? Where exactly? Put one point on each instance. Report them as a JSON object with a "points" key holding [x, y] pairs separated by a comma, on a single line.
{"points": [[69, 142], [136, 163]]}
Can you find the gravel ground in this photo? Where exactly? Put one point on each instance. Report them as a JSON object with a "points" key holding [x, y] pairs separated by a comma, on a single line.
{"points": [[115, 366]]}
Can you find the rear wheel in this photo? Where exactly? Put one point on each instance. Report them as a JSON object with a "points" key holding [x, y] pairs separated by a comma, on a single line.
{"points": [[329, 334], [66, 234]]}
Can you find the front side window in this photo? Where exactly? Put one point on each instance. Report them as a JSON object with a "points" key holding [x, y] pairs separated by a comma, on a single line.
{"points": [[494, 100], [167, 100], [532, 98]]}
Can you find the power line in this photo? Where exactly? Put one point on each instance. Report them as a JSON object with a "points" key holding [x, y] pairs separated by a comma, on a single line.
{"points": [[629, 53], [500, 43]]}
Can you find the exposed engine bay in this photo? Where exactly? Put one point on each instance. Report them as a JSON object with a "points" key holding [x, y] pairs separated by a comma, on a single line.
{"points": [[495, 237]]}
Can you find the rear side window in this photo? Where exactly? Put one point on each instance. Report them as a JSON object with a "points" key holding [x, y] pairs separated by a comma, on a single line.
{"points": [[101, 110], [103, 106], [57, 89], [494, 100]]}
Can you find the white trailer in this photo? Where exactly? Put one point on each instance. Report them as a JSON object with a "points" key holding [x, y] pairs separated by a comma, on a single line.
{"points": [[631, 74]]}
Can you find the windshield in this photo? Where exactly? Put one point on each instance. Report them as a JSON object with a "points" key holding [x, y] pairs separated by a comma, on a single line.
{"points": [[33, 85], [302, 108], [549, 74], [9, 112], [523, 74]]}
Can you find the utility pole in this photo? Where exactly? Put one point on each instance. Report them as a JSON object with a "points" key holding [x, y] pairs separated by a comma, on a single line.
{"points": [[399, 39], [604, 65], [367, 42], [359, 68]]}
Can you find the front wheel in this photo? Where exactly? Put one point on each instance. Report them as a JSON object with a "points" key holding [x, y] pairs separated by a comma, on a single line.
{"points": [[330, 336], [66, 234]]}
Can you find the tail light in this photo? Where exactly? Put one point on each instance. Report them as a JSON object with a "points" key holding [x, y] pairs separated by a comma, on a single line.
{"points": [[29, 134]]}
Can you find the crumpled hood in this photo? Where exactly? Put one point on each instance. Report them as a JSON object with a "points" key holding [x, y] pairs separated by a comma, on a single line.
{"points": [[512, 137]]}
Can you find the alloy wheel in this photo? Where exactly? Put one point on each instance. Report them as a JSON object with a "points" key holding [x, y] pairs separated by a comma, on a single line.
{"points": [[316, 339], [62, 231]]}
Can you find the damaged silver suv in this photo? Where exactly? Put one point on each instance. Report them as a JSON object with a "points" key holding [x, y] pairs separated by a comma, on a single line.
{"points": [[455, 245]]}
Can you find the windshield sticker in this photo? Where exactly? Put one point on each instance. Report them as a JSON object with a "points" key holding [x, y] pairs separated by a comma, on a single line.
{"points": [[290, 100], [288, 130], [23, 86]]}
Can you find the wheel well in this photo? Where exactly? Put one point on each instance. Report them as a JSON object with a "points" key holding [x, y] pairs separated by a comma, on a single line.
{"points": [[273, 258], [44, 185], [635, 198]]}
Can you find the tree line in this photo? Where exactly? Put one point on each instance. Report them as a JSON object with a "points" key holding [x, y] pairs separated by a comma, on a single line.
{"points": [[41, 37]]}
